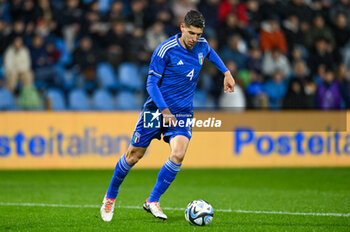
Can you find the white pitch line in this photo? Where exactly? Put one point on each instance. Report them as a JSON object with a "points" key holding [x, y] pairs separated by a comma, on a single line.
{"points": [[179, 209]]}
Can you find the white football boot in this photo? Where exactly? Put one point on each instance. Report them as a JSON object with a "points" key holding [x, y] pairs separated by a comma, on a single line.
{"points": [[107, 209], [154, 209]]}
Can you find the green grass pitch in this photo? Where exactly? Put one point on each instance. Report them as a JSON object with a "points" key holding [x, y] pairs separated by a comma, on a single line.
{"points": [[267, 197]]}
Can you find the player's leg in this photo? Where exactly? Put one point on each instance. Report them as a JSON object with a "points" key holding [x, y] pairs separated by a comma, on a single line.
{"points": [[167, 174], [141, 139], [125, 163]]}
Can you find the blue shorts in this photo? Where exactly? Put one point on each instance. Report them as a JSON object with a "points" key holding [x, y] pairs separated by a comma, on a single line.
{"points": [[142, 136]]}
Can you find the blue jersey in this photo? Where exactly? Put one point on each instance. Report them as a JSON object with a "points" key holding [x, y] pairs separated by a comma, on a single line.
{"points": [[177, 69]]}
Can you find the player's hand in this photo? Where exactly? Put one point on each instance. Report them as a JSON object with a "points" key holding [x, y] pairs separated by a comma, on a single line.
{"points": [[229, 82], [168, 118]]}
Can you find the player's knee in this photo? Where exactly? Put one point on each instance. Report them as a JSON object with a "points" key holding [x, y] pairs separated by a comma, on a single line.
{"points": [[177, 156], [133, 155]]}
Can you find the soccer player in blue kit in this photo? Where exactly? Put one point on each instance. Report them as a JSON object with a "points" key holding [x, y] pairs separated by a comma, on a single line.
{"points": [[171, 83]]}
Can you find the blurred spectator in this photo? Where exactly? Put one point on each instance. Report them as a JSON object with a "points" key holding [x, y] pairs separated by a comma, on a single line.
{"points": [[155, 35], [271, 36], [319, 29], [235, 51], [85, 58], [53, 53], [293, 34], [275, 89], [17, 30], [209, 9], [230, 27], [343, 77], [300, 70], [17, 65], [237, 99], [341, 34], [15, 9], [226, 7], [308, 90], [253, 15], [300, 9], [233, 101], [257, 97], [299, 53], [46, 12], [137, 52], [271, 7], [5, 11], [138, 16], [340, 6], [320, 7], [42, 65], [328, 93], [71, 21], [4, 34], [116, 11], [30, 13], [295, 96], [321, 55], [159, 10], [42, 29], [29, 99], [255, 60], [94, 26], [274, 61], [181, 7], [116, 42]]}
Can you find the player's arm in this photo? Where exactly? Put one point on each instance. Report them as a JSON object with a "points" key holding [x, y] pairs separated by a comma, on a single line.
{"points": [[229, 82], [157, 67], [154, 91]]}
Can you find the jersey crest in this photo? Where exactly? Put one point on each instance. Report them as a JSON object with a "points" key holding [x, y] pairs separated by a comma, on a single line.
{"points": [[200, 58]]}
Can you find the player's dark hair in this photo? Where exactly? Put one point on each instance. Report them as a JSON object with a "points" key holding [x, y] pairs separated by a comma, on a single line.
{"points": [[194, 18]]}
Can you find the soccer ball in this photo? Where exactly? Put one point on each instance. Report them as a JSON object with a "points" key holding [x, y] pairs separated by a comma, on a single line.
{"points": [[199, 213]]}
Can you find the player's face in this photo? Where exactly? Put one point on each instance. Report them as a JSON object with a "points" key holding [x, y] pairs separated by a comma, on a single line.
{"points": [[190, 35]]}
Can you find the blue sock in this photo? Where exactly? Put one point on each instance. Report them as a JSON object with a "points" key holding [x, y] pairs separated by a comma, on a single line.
{"points": [[166, 176], [121, 170]]}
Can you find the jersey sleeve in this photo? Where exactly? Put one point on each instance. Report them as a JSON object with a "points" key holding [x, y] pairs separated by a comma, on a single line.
{"points": [[215, 59], [158, 63], [155, 73]]}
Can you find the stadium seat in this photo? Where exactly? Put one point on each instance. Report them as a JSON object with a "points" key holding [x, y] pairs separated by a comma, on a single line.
{"points": [[106, 75], [56, 98], [78, 100], [102, 100], [7, 101], [127, 100], [129, 76]]}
